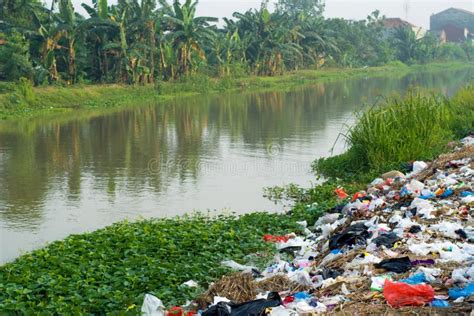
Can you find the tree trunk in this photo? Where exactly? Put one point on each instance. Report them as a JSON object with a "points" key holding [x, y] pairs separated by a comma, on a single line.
{"points": [[72, 62]]}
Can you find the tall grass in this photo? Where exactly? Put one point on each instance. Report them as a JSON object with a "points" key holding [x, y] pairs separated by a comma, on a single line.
{"points": [[402, 129], [463, 110]]}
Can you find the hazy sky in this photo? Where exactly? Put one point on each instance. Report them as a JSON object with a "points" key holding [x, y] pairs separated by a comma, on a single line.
{"points": [[419, 11]]}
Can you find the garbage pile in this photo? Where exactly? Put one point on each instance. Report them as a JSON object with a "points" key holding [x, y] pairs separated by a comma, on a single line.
{"points": [[406, 242]]}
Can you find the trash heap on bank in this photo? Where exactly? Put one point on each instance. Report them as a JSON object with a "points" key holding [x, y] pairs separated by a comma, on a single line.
{"points": [[406, 242]]}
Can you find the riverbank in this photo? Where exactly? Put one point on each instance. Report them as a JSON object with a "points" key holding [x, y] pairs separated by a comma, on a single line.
{"points": [[22, 101], [111, 269]]}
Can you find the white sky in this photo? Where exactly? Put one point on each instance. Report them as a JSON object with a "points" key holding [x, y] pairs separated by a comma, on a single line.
{"points": [[419, 11]]}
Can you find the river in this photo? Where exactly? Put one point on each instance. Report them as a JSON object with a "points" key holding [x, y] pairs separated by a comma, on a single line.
{"points": [[210, 153]]}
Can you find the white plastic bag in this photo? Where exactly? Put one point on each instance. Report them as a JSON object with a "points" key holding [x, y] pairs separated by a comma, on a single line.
{"points": [[152, 306], [419, 166], [237, 266]]}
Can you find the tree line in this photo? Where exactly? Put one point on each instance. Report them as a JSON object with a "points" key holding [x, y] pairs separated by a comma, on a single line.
{"points": [[142, 41]]}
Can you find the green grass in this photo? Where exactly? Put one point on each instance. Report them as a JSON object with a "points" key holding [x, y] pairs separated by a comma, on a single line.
{"points": [[17, 101], [463, 110], [402, 129]]}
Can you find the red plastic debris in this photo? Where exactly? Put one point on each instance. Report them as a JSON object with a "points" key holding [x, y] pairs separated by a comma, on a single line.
{"points": [[271, 238], [288, 300], [341, 193], [357, 195], [175, 311], [402, 294]]}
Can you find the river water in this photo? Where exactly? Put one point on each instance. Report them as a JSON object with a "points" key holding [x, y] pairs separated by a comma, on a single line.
{"points": [[210, 153]]}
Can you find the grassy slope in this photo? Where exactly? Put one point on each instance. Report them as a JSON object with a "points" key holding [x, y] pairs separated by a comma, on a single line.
{"points": [[51, 100]]}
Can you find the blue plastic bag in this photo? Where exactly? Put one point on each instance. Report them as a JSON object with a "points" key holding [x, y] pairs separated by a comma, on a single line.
{"points": [[457, 292], [447, 193], [439, 303], [416, 279]]}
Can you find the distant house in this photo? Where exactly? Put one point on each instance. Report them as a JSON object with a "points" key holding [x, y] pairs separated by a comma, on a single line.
{"points": [[453, 25], [391, 24]]}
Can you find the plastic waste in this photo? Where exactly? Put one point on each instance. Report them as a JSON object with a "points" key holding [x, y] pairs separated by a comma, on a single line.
{"points": [[152, 306], [378, 282], [237, 266], [364, 259], [191, 283], [377, 181], [447, 193], [402, 294], [427, 194], [392, 175], [458, 275], [341, 193], [255, 307], [303, 308], [330, 273], [461, 233], [327, 219], [415, 186], [354, 234], [386, 240], [421, 262], [415, 229], [302, 296], [419, 166], [332, 300], [415, 279], [279, 311], [456, 293], [219, 299], [175, 311], [467, 199], [301, 276], [271, 238], [439, 303], [397, 265], [288, 300], [219, 309], [448, 229], [430, 273]]}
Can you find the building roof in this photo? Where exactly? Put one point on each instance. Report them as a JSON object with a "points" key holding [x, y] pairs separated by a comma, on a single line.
{"points": [[456, 9], [396, 22]]}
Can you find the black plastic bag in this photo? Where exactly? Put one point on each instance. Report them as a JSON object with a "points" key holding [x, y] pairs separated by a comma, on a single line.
{"points": [[387, 240], [330, 273], [257, 307], [251, 308], [220, 309], [415, 229], [397, 265], [352, 235]]}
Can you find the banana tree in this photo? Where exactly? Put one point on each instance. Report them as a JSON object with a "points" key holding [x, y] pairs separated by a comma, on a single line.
{"points": [[67, 27], [48, 35], [98, 29], [188, 33]]}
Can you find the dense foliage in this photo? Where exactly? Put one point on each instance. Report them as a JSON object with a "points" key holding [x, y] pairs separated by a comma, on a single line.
{"points": [[111, 269], [142, 41]]}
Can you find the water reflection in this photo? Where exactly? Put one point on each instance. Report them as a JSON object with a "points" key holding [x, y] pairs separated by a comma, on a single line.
{"points": [[60, 177]]}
